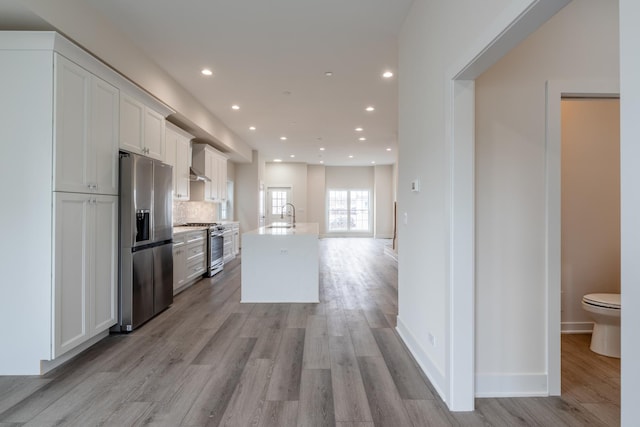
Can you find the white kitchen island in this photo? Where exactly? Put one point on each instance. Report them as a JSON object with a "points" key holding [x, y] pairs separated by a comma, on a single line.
{"points": [[280, 264]]}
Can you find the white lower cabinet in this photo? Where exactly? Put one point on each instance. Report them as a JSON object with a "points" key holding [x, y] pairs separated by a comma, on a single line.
{"points": [[85, 257], [189, 258], [179, 263]]}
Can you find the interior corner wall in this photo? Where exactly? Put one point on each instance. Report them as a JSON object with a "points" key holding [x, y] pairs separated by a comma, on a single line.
{"points": [[316, 191], [590, 205], [423, 260], [383, 201], [247, 187], [579, 43]]}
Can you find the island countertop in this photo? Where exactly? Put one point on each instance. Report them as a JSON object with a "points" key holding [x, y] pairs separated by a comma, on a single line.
{"points": [[280, 264], [277, 229]]}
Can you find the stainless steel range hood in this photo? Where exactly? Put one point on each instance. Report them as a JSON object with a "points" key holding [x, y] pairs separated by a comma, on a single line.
{"points": [[196, 175]]}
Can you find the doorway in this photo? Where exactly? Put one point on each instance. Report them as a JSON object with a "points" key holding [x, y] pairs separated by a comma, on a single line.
{"points": [[556, 91]]}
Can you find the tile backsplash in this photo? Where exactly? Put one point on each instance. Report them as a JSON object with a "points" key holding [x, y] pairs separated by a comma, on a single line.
{"points": [[194, 212]]}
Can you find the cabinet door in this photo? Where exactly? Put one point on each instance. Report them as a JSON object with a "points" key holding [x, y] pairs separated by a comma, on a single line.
{"points": [[170, 158], [104, 263], [72, 254], [179, 267], [131, 129], [222, 178], [154, 134], [210, 188], [71, 127], [181, 168], [104, 136]]}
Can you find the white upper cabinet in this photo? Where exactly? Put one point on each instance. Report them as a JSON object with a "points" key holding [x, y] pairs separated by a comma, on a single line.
{"points": [[86, 131], [178, 155], [154, 134], [141, 128], [214, 165]]}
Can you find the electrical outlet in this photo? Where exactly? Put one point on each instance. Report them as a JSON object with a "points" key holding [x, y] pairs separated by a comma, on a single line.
{"points": [[284, 251]]}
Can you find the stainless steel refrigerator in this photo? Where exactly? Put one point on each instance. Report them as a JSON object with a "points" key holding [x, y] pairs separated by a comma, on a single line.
{"points": [[146, 257]]}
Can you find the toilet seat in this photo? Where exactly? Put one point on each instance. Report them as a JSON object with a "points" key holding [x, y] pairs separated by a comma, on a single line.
{"points": [[609, 301]]}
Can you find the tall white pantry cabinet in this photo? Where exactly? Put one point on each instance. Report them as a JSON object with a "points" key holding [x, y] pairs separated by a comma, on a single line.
{"points": [[58, 145]]}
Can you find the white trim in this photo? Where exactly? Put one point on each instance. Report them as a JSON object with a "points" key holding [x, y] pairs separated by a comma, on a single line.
{"points": [[576, 327], [514, 385], [462, 248], [437, 379], [518, 21], [555, 91], [49, 365]]}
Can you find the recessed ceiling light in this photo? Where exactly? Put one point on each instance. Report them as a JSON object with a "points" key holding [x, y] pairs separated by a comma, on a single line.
{"points": [[252, 128], [359, 129], [277, 160], [362, 138], [235, 107], [370, 108], [373, 162], [387, 74], [388, 149], [292, 156], [206, 72], [284, 138], [321, 148], [321, 162], [328, 73], [351, 156]]}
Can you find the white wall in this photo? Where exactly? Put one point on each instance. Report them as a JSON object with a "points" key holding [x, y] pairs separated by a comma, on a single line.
{"points": [[383, 201], [434, 37], [316, 200], [580, 43], [590, 205], [247, 186], [293, 175], [310, 183], [630, 212]]}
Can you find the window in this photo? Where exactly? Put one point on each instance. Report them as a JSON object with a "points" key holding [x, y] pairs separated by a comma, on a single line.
{"points": [[348, 210], [278, 200]]}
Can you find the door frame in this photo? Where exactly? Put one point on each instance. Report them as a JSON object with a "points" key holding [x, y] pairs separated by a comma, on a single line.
{"points": [[518, 21], [556, 90]]}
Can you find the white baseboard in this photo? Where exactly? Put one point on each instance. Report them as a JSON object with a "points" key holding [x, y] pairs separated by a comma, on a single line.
{"points": [[511, 385], [384, 236], [438, 380], [48, 365], [576, 327]]}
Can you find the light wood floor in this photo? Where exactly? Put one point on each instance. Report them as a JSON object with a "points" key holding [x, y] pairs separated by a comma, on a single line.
{"points": [[210, 361]]}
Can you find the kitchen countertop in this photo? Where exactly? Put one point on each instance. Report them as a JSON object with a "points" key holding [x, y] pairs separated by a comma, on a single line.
{"points": [[183, 229], [301, 229]]}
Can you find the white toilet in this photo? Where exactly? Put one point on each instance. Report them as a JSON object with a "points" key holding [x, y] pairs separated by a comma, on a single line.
{"points": [[605, 311]]}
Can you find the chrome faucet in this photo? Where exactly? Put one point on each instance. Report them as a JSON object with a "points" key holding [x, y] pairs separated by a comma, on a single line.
{"points": [[293, 208]]}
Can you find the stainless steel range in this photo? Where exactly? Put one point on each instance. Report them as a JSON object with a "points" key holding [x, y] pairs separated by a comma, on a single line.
{"points": [[215, 246]]}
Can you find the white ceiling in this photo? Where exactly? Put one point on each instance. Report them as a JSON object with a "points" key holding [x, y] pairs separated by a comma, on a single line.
{"points": [[270, 58]]}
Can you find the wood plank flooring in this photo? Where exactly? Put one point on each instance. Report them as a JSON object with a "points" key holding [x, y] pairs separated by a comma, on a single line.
{"points": [[211, 361]]}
